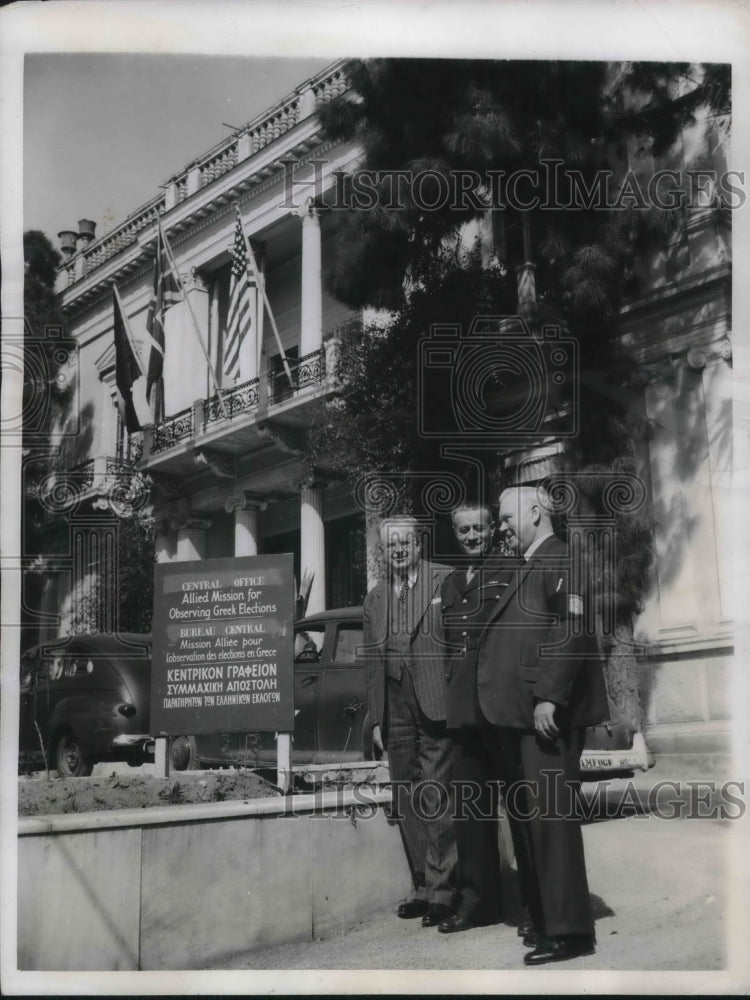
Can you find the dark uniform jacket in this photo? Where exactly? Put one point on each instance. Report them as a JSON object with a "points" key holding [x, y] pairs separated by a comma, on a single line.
{"points": [[467, 606], [535, 646], [425, 657]]}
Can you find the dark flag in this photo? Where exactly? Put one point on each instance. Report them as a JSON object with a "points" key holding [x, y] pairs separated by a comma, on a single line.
{"points": [[164, 293], [127, 368]]}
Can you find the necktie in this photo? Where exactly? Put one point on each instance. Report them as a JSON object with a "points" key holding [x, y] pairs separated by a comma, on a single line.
{"points": [[404, 592], [470, 574]]}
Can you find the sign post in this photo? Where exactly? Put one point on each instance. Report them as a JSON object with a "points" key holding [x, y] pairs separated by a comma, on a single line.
{"points": [[223, 647]]}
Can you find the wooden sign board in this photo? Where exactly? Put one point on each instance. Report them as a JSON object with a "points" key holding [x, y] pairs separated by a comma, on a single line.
{"points": [[223, 646]]}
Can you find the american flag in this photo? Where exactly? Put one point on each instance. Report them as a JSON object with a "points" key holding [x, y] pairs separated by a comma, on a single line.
{"points": [[242, 291], [165, 292]]}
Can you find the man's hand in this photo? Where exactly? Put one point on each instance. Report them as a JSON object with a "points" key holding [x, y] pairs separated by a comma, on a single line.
{"points": [[377, 742], [544, 719]]}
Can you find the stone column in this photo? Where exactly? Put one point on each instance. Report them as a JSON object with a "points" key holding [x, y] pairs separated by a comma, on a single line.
{"points": [[164, 543], [214, 336], [191, 540], [249, 352], [191, 544], [312, 545], [185, 376], [245, 509], [311, 337]]}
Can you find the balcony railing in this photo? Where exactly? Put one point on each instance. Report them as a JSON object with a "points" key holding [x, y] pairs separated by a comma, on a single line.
{"points": [[171, 431], [248, 140], [242, 399], [102, 476], [247, 398], [306, 371]]}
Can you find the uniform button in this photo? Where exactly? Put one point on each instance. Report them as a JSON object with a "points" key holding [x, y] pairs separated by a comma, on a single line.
{"points": [[464, 601], [464, 633], [463, 617]]}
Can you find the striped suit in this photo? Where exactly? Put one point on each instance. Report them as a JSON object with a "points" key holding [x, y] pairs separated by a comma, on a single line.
{"points": [[406, 697]]}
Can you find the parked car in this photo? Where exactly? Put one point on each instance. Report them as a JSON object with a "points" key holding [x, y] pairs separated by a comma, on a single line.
{"points": [[87, 699], [330, 712], [615, 746], [329, 703]]}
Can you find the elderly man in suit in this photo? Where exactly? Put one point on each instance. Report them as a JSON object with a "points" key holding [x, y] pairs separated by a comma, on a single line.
{"points": [[469, 596], [539, 684], [405, 664]]}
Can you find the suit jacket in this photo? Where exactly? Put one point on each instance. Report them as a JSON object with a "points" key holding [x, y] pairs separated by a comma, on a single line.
{"points": [[529, 649], [427, 648], [467, 607]]}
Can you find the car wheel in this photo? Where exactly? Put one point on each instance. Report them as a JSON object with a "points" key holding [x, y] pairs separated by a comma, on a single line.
{"points": [[183, 754], [70, 760]]}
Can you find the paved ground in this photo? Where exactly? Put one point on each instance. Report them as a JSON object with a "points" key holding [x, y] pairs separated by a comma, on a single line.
{"points": [[659, 889]]}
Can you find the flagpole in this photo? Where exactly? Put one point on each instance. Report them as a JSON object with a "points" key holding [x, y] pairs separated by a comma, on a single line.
{"points": [[262, 286], [128, 331], [186, 300]]}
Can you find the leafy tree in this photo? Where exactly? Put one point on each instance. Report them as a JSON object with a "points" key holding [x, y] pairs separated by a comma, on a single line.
{"points": [[443, 116]]}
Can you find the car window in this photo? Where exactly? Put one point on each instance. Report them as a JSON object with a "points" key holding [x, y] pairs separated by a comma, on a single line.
{"points": [[308, 644], [54, 666], [26, 672], [78, 665], [348, 637]]}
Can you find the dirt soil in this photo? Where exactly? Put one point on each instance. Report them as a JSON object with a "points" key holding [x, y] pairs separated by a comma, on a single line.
{"points": [[38, 796]]}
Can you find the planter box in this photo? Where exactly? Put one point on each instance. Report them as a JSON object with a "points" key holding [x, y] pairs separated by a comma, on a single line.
{"points": [[185, 887]]}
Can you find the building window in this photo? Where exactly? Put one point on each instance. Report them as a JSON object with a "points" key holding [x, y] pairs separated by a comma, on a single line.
{"points": [[277, 376]]}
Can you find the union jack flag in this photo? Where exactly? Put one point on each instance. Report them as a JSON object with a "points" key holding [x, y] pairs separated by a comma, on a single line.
{"points": [[165, 292]]}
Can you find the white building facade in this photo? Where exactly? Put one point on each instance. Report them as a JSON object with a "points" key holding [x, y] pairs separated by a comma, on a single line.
{"points": [[236, 481]]}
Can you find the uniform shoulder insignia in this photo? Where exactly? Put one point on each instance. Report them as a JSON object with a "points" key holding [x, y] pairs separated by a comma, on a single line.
{"points": [[575, 604]]}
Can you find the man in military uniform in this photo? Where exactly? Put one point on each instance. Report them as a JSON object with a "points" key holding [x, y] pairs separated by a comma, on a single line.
{"points": [[469, 596], [539, 684]]}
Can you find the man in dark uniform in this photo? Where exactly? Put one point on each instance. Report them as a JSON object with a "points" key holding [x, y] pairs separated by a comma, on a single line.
{"points": [[539, 684], [469, 596]]}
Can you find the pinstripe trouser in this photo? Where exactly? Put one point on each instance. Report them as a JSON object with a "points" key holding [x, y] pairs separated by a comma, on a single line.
{"points": [[419, 756]]}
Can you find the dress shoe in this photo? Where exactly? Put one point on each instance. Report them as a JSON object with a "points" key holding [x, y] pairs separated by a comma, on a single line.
{"points": [[412, 908], [560, 948], [527, 931], [436, 913], [460, 922], [456, 922]]}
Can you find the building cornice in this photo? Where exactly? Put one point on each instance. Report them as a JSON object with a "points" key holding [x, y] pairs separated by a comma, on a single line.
{"points": [[240, 167]]}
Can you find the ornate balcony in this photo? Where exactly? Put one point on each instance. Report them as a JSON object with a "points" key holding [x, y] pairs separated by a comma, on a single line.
{"points": [[171, 431], [104, 482], [239, 420], [307, 371], [196, 185]]}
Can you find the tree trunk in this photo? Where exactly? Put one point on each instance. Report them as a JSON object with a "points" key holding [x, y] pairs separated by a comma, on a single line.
{"points": [[622, 676]]}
